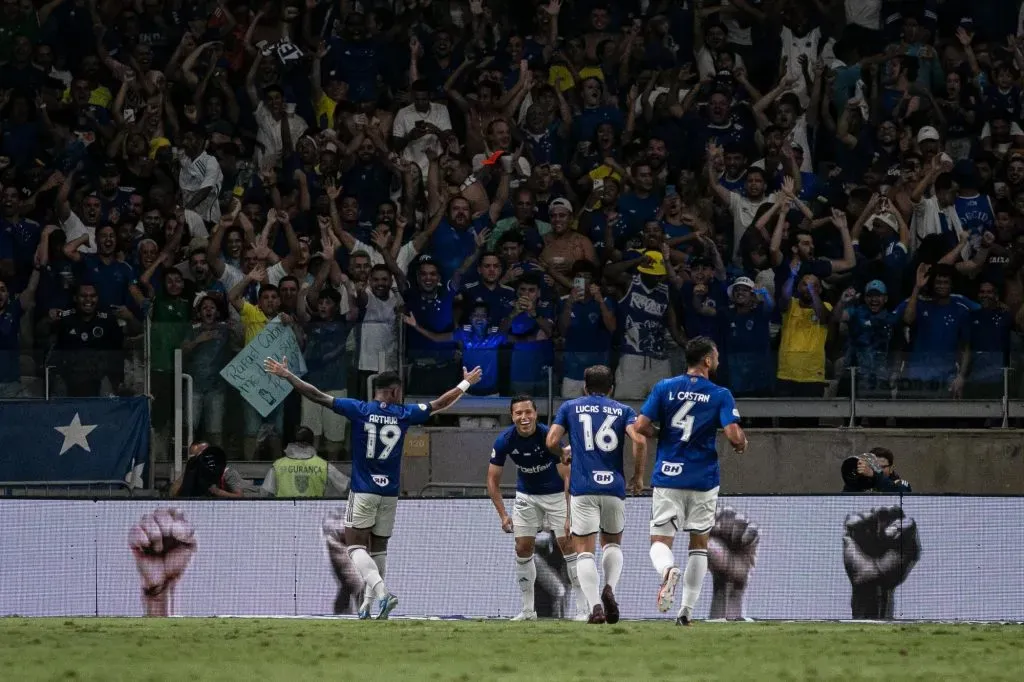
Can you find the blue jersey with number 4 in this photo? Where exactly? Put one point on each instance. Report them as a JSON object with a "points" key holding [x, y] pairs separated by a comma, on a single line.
{"points": [[538, 467], [690, 410], [597, 433], [378, 435]]}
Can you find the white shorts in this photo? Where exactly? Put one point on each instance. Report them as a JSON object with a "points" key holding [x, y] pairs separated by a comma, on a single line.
{"points": [[637, 374], [533, 513], [375, 513], [592, 513], [675, 509], [323, 421]]}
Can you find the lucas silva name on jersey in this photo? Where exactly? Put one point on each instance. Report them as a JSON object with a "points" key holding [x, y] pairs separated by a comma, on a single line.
{"points": [[599, 409]]}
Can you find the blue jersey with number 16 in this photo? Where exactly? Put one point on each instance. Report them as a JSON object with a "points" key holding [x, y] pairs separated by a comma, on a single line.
{"points": [[378, 436], [690, 410], [597, 433]]}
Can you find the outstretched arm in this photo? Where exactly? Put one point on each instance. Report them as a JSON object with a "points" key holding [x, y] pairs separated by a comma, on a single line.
{"points": [[280, 369], [450, 397]]}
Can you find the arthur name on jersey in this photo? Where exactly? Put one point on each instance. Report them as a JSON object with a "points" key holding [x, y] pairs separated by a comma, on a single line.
{"points": [[599, 409], [689, 395], [381, 419]]}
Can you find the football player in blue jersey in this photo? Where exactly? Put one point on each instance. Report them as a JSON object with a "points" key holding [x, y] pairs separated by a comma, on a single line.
{"points": [[597, 427], [541, 498], [378, 433], [690, 409]]}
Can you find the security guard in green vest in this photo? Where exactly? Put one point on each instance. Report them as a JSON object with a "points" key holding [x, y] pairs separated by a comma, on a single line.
{"points": [[302, 473]]}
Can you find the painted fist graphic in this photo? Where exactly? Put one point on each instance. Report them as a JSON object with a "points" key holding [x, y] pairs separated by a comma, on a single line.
{"points": [[732, 554], [880, 548], [162, 543]]}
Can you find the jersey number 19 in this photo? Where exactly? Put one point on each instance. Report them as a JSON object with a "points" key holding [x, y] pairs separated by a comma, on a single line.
{"points": [[605, 438], [388, 434]]}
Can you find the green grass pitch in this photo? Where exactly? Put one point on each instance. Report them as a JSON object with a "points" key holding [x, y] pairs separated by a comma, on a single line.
{"points": [[195, 650]]}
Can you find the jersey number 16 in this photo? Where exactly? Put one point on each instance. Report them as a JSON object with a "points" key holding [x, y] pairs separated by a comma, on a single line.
{"points": [[606, 439], [389, 435]]}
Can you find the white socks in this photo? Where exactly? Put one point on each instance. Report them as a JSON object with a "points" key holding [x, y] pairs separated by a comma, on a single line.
{"points": [[662, 558], [367, 570], [586, 569], [693, 578], [611, 564], [380, 559], [526, 576], [570, 566]]}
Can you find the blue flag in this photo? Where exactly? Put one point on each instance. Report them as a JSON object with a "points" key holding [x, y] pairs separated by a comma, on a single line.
{"points": [[74, 439]]}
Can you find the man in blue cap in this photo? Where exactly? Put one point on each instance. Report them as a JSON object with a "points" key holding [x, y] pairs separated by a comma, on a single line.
{"points": [[869, 328]]}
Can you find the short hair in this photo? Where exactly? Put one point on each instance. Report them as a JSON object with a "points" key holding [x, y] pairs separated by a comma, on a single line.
{"points": [[697, 349], [269, 288], [598, 379], [583, 267], [331, 293], [757, 169], [380, 267], [386, 380], [942, 270], [289, 278], [304, 434], [944, 182], [884, 453], [421, 85], [521, 398], [485, 254], [532, 278]]}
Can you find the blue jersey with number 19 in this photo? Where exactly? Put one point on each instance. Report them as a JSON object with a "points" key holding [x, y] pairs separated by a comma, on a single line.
{"points": [[378, 436], [597, 433], [690, 410]]}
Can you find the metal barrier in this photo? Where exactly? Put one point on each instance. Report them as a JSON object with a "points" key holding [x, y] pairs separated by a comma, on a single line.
{"points": [[444, 488], [847, 410], [184, 419], [7, 488]]}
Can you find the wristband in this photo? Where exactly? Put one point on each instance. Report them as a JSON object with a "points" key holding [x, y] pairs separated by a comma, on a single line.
{"points": [[464, 386]]}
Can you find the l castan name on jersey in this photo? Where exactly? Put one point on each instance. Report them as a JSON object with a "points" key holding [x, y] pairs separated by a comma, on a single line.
{"points": [[688, 395]]}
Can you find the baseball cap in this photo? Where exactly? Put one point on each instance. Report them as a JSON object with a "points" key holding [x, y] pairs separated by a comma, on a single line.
{"points": [[741, 282], [888, 218], [927, 133], [561, 203], [657, 266], [876, 285]]}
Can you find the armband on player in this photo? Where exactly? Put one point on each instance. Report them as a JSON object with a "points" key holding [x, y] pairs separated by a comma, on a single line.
{"points": [[464, 386]]}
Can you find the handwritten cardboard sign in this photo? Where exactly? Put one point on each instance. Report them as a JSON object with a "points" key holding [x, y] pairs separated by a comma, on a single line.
{"points": [[265, 391]]}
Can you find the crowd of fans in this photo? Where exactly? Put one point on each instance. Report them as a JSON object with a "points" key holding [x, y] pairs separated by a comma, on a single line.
{"points": [[816, 185]]}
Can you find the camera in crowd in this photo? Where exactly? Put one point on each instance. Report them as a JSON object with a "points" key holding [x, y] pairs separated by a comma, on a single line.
{"points": [[872, 471]]}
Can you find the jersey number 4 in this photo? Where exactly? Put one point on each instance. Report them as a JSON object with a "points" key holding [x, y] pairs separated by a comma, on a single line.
{"points": [[389, 435], [605, 439], [683, 421]]}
